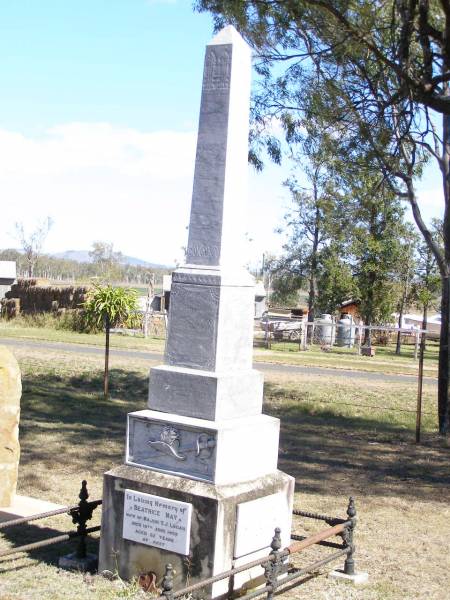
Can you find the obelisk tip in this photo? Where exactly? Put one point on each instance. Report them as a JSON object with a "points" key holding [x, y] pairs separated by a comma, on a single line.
{"points": [[227, 35]]}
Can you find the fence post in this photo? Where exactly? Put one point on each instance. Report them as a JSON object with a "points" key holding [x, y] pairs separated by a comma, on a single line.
{"points": [[349, 565], [416, 346], [304, 335], [80, 559], [273, 569], [80, 516], [167, 583]]}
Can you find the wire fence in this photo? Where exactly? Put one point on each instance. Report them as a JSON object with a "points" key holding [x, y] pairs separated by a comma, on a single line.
{"points": [[329, 336]]}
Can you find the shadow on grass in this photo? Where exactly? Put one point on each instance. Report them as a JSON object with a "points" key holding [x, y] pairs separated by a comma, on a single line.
{"points": [[67, 427], [67, 424], [342, 454], [30, 534]]}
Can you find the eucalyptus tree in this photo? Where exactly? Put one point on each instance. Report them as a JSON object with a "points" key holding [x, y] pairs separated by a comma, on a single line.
{"points": [[32, 242], [425, 287], [408, 265], [312, 225], [378, 72]]}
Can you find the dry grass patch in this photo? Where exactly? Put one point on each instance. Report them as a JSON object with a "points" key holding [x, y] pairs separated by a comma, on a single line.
{"points": [[338, 437]]}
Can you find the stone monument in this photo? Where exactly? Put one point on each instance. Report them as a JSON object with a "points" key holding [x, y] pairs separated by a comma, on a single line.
{"points": [[200, 487], [13, 505], [10, 392]]}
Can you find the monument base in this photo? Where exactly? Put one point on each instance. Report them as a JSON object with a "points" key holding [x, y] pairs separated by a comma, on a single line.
{"points": [[229, 526], [24, 506], [72, 562], [357, 578]]}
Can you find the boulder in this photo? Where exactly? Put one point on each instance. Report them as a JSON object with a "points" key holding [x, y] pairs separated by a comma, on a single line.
{"points": [[10, 392]]}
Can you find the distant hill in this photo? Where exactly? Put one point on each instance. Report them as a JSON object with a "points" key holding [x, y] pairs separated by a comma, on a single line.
{"points": [[82, 256]]}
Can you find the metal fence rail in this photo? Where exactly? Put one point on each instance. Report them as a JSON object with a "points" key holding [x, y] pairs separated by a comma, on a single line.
{"points": [[277, 571], [80, 513]]}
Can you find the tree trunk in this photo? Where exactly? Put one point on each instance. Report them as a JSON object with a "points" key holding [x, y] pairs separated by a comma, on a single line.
{"points": [[444, 359], [314, 263], [444, 355], [106, 373], [424, 323], [369, 311], [312, 298], [398, 346], [400, 316]]}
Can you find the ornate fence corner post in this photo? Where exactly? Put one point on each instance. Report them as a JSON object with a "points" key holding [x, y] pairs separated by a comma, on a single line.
{"points": [[80, 516], [274, 568], [347, 536], [167, 583], [80, 559]]}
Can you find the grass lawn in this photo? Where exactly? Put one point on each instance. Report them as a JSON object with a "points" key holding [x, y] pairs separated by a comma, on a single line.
{"points": [[385, 360], [48, 334], [338, 437]]}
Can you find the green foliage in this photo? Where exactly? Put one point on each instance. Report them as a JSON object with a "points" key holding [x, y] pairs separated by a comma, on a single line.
{"points": [[110, 305], [62, 269], [377, 243], [106, 259], [75, 320], [335, 284]]}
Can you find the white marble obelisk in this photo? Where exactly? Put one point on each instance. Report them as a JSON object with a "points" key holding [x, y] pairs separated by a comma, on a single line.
{"points": [[203, 440]]}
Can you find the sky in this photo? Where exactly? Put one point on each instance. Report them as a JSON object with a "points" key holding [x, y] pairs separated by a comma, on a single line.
{"points": [[99, 109]]}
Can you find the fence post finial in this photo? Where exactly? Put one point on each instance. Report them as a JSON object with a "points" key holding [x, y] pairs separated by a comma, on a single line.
{"points": [[80, 515], [274, 567], [167, 583], [349, 565]]}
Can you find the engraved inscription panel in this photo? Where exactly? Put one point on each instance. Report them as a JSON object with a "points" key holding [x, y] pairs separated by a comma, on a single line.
{"points": [[184, 450], [196, 278], [191, 339], [157, 521], [217, 72], [205, 227]]}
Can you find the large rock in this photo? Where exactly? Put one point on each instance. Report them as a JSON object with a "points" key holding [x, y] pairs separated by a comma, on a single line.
{"points": [[10, 392]]}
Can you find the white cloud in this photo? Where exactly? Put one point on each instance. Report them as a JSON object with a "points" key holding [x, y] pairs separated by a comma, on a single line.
{"points": [[431, 202], [73, 146], [102, 182]]}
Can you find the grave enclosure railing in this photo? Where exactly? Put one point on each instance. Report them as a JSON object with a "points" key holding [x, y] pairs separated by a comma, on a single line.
{"points": [[80, 513], [278, 572]]}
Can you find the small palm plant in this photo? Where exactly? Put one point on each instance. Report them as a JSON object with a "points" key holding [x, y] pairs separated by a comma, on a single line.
{"points": [[107, 306]]}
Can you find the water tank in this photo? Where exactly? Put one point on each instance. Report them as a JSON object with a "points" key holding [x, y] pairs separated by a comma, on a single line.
{"points": [[324, 330], [345, 336]]}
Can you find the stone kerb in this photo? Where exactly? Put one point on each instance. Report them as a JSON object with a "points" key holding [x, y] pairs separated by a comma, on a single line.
{"points": [[10, 393]]}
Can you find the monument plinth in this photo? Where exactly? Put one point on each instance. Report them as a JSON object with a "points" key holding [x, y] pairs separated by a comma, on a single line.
{"points": [[200, 488]]}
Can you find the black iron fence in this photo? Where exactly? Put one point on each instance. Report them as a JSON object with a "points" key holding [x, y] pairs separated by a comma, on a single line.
{"points": [[80, 513], [279, 572]]}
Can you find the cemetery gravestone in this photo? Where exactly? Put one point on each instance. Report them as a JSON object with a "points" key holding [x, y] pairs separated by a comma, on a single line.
{"points": [[200, 487], [10, 392]]}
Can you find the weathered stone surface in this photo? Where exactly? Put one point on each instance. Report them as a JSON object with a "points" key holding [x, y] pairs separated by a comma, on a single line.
{"points": [[213, 527], [216, 230], [223, 452], [204, 394], [210, 320], [207, 443], [10, 392], [24, 506]]}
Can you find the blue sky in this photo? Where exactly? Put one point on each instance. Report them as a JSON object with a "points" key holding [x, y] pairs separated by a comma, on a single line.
{"points": [[136, 63], [98, 117]]}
